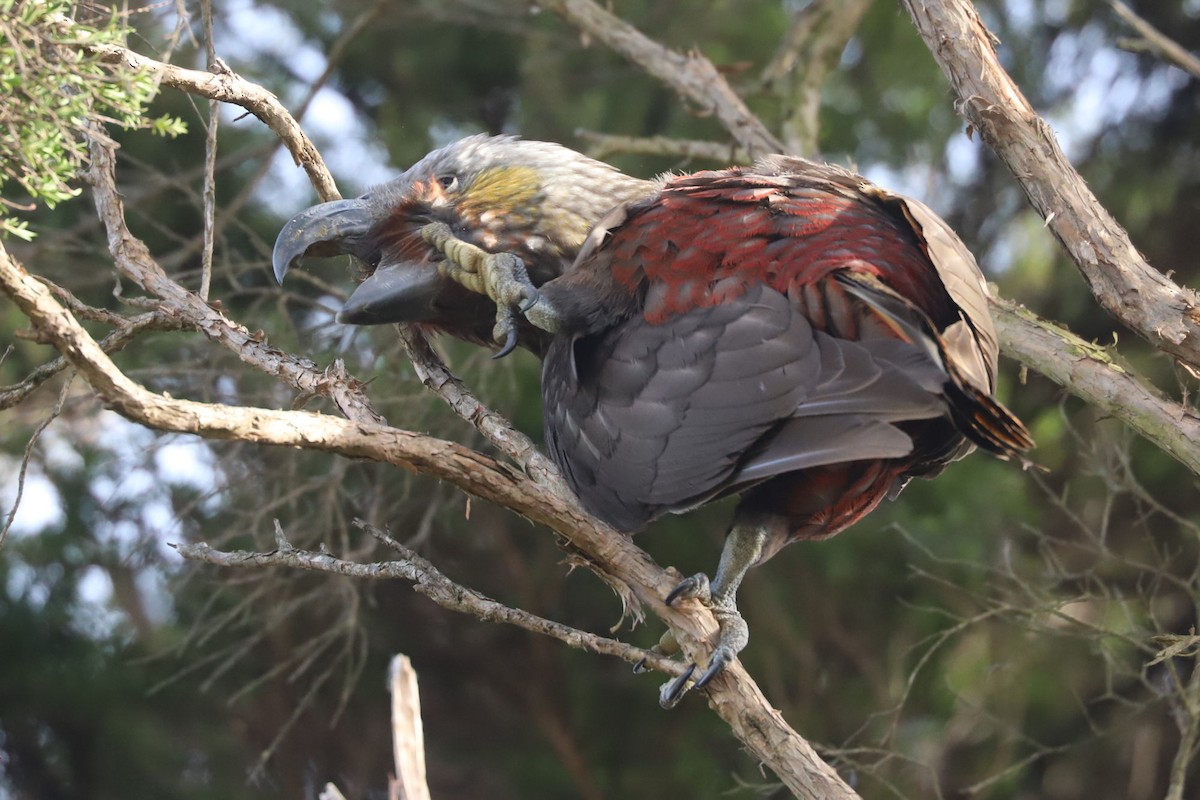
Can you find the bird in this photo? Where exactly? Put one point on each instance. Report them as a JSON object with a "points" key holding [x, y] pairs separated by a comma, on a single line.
{"points": [[787, 332]]}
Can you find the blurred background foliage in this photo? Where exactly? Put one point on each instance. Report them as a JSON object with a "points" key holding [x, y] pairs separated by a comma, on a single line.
{"points": [[989, 635]]}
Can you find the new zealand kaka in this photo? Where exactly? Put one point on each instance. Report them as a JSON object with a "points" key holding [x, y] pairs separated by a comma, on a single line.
{"points": [[788, 332]]}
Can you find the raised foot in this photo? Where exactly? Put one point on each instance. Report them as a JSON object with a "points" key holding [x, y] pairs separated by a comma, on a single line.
{"points": [[499, 276]]}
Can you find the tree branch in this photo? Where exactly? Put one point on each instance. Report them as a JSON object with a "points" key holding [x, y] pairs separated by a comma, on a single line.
{"points": [[126, 332], [1157, 41], [692, 76], [603, 145], [809, 50], [429, 581], [133, 258], [1090, 372], [734, 695], [1130, 289], [229, 88], [408, 733]]}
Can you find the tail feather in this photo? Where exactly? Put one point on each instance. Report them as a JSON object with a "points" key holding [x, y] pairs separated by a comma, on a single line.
{"points": [[986, 422]]}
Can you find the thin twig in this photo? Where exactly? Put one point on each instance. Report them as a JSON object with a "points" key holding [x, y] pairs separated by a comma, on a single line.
{"points": [[1157, 41], [1189, 737], [692, 76], [602, 145], [432, 583], [217, 67], [27, 455], [116, 341]]}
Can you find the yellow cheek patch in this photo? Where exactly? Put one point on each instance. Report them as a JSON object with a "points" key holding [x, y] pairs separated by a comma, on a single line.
{"points": [[502, 190]]}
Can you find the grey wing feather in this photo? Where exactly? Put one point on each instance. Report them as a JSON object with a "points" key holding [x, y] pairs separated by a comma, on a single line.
{"points": [[669, 415]]}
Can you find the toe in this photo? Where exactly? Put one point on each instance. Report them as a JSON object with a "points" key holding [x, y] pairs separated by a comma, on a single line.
{"points": [[695, 587], [722, 657], [671, 693]]}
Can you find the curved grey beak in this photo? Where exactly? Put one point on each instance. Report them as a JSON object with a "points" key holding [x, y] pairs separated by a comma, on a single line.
{"points": [[396, 292], [328, 229]]}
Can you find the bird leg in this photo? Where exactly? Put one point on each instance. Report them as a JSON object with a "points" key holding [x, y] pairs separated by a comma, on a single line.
{"points": [[499, 276], [743, 549]]}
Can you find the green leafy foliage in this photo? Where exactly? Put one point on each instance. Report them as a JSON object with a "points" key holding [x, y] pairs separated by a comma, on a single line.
{"points": [[55, 90]]}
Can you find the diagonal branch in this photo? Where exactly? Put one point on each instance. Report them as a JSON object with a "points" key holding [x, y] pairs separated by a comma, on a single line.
{"points": [[1127, 286], [734, 695], [1090, 372], [692, 76], [1157, 41], [431, 582], [133, 259], [230, 88]]}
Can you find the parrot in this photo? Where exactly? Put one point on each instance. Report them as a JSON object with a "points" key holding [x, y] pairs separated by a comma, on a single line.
{"points": [[786, 332]]}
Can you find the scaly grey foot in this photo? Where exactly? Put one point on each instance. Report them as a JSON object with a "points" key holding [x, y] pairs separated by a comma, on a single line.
{"points": [[732, 637], [499, 276]]}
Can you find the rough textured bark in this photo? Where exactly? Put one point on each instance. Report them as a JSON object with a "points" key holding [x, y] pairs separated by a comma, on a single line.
{"points": [[1127, 286], [734, 696], [1092, 372]]}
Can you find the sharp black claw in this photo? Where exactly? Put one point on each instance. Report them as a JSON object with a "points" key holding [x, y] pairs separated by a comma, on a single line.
{"points": [[530, 301], [675, 690], [715, 667], [640, 667], [675, 593], [510, 344]]}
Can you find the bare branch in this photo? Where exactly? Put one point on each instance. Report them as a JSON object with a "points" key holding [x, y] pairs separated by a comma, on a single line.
{"points": [[692, 76], [125, 333], [734, 695], [1157, 41], [430, 582], [25, 458], [1091, 373], [231, 88], [810, 49], [1127, 287], [1189, 739], [408, 734], [217, 67], [604, 145], [135, 262], [499, 431], [331, 792]]}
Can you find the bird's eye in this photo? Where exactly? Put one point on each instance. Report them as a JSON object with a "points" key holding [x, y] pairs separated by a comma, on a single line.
{"points": [[448, 182]]}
